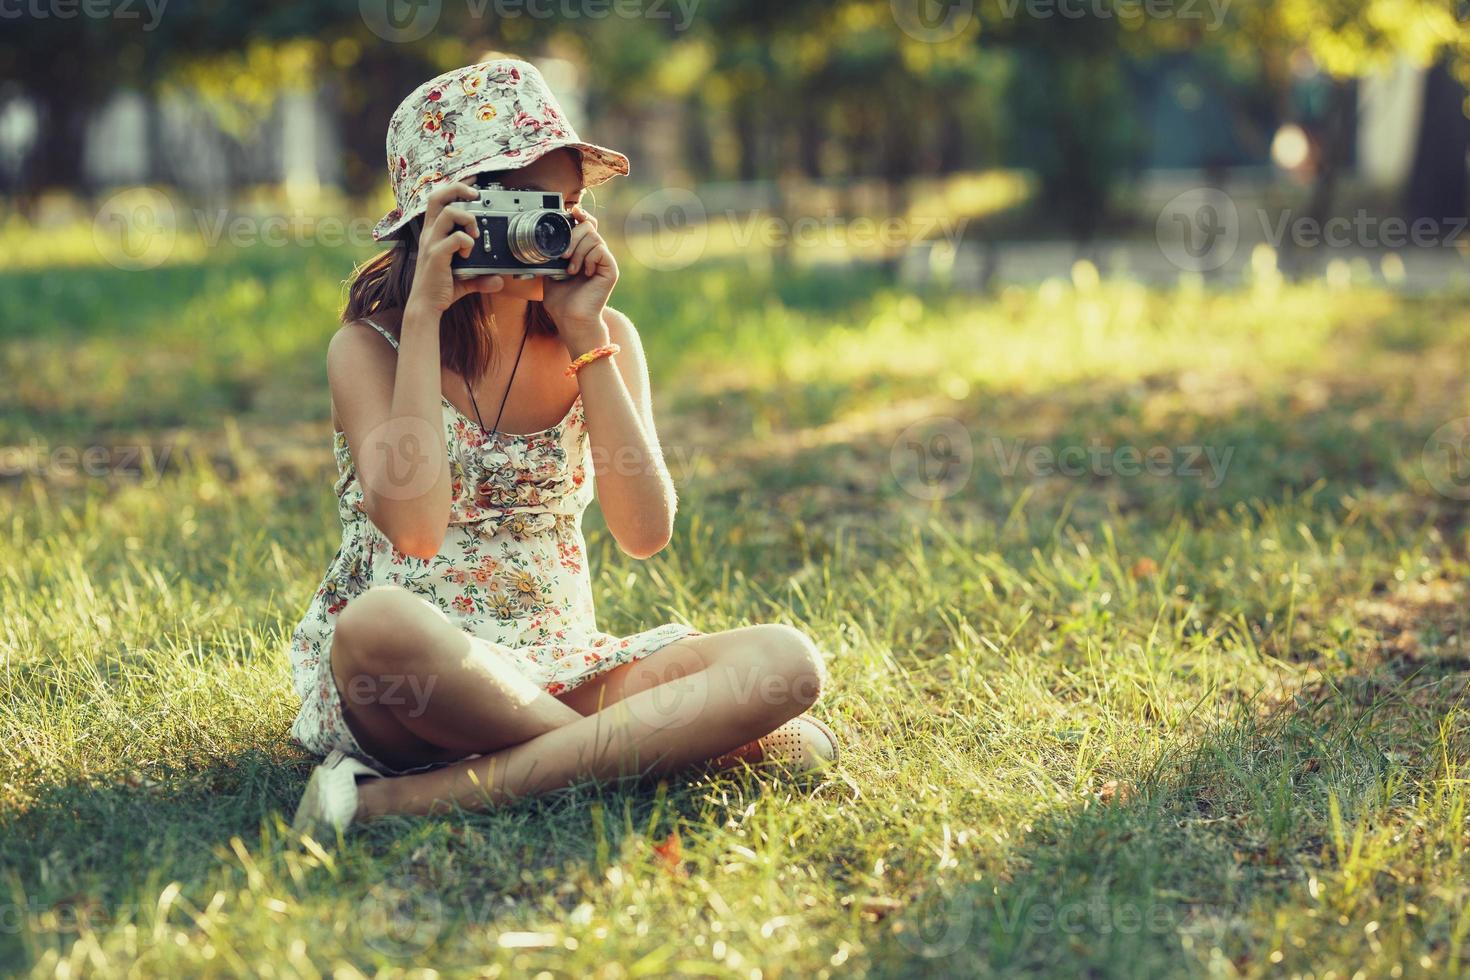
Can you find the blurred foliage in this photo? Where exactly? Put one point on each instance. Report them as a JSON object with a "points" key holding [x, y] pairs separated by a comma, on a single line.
{"points": [[861, 88]]}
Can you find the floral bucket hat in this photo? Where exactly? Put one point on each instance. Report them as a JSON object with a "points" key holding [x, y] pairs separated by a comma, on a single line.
{"points": [[497, 115]]}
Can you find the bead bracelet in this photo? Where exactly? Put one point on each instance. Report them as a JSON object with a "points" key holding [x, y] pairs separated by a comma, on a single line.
{"points": [[606, 350]]}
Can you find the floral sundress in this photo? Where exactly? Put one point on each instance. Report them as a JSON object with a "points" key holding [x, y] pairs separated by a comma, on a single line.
{"points": [[512, 569]]}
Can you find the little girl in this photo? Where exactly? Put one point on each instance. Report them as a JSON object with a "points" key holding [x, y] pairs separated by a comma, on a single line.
{"points": [[451, 655]]}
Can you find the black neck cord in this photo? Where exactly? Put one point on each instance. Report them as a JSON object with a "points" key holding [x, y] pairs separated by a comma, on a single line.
{"points": [[508, 384]]}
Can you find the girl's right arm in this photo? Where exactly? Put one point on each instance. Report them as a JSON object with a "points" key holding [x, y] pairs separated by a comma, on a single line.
{"points": [[390, 408]]}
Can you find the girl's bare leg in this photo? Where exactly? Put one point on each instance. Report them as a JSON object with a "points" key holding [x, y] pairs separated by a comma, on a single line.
{"points": [[416, 689], [696, 700]]}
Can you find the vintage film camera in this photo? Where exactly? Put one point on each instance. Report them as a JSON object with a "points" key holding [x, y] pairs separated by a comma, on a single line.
{"points": [[522, 234]]}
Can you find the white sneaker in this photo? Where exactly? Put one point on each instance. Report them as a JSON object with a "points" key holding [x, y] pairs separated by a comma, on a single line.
{"points": [[331, 794], [803, 744]]}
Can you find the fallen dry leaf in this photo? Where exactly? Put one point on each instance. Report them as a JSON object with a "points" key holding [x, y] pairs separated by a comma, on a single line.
{"points": [[1144, 568], [671, 854]]}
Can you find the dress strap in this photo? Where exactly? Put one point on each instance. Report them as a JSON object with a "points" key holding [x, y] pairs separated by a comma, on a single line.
{"points": [[391, 339]]}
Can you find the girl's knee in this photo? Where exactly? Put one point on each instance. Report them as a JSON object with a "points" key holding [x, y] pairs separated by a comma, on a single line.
{"points": [[380, 627], [791, 657]]}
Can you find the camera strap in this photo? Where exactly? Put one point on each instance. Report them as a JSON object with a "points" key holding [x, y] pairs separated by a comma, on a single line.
{"points": [[506, 397]]}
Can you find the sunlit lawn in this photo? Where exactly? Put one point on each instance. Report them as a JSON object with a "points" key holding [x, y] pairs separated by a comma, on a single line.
{"points": [[1110, 721]]}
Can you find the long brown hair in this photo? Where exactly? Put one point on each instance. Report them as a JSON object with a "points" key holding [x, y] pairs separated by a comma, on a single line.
{"points": [[382, 283]]}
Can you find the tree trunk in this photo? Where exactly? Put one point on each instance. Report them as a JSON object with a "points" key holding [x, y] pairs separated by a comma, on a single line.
{"points": [[1335, 153], [697, 144], [952, 147], [55, 159], [748, 130], [809, 140], [1438, 187]]}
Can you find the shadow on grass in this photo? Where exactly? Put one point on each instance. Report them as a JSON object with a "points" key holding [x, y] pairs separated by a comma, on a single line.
{"points": [[1213, 857], [86, 858], [92, 851], [1092, 450]]}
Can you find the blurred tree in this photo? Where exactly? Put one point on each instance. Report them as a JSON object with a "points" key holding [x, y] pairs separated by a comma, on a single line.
{"points": [[1073, 120], [1346, 40], [234, 60], [854, 89], [1439, 185]]}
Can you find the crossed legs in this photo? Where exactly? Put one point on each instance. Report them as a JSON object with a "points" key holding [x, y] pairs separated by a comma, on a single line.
{"points": [[416, 690]]}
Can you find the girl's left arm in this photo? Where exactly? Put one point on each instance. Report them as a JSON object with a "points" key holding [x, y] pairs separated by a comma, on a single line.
{"points": [[633, 485]]}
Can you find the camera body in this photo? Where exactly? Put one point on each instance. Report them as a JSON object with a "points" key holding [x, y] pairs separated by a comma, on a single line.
{"points": [[522, 234]]}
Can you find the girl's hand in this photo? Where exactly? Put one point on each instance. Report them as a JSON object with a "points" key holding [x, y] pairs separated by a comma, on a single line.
{"points": [[448, 230], [576, 304]]}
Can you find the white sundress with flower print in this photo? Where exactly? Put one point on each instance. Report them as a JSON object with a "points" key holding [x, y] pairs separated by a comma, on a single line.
{"points": [[512, 569]]}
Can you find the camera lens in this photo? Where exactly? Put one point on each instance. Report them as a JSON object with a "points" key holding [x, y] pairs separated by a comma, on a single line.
{"points": [[539, 236]]}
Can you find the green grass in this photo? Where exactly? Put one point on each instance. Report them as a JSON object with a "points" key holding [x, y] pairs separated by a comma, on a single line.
{"points": [[1101, 724]]}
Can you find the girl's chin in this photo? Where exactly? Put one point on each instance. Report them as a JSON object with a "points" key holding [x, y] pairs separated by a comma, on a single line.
{"points": [[531, 290]]}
